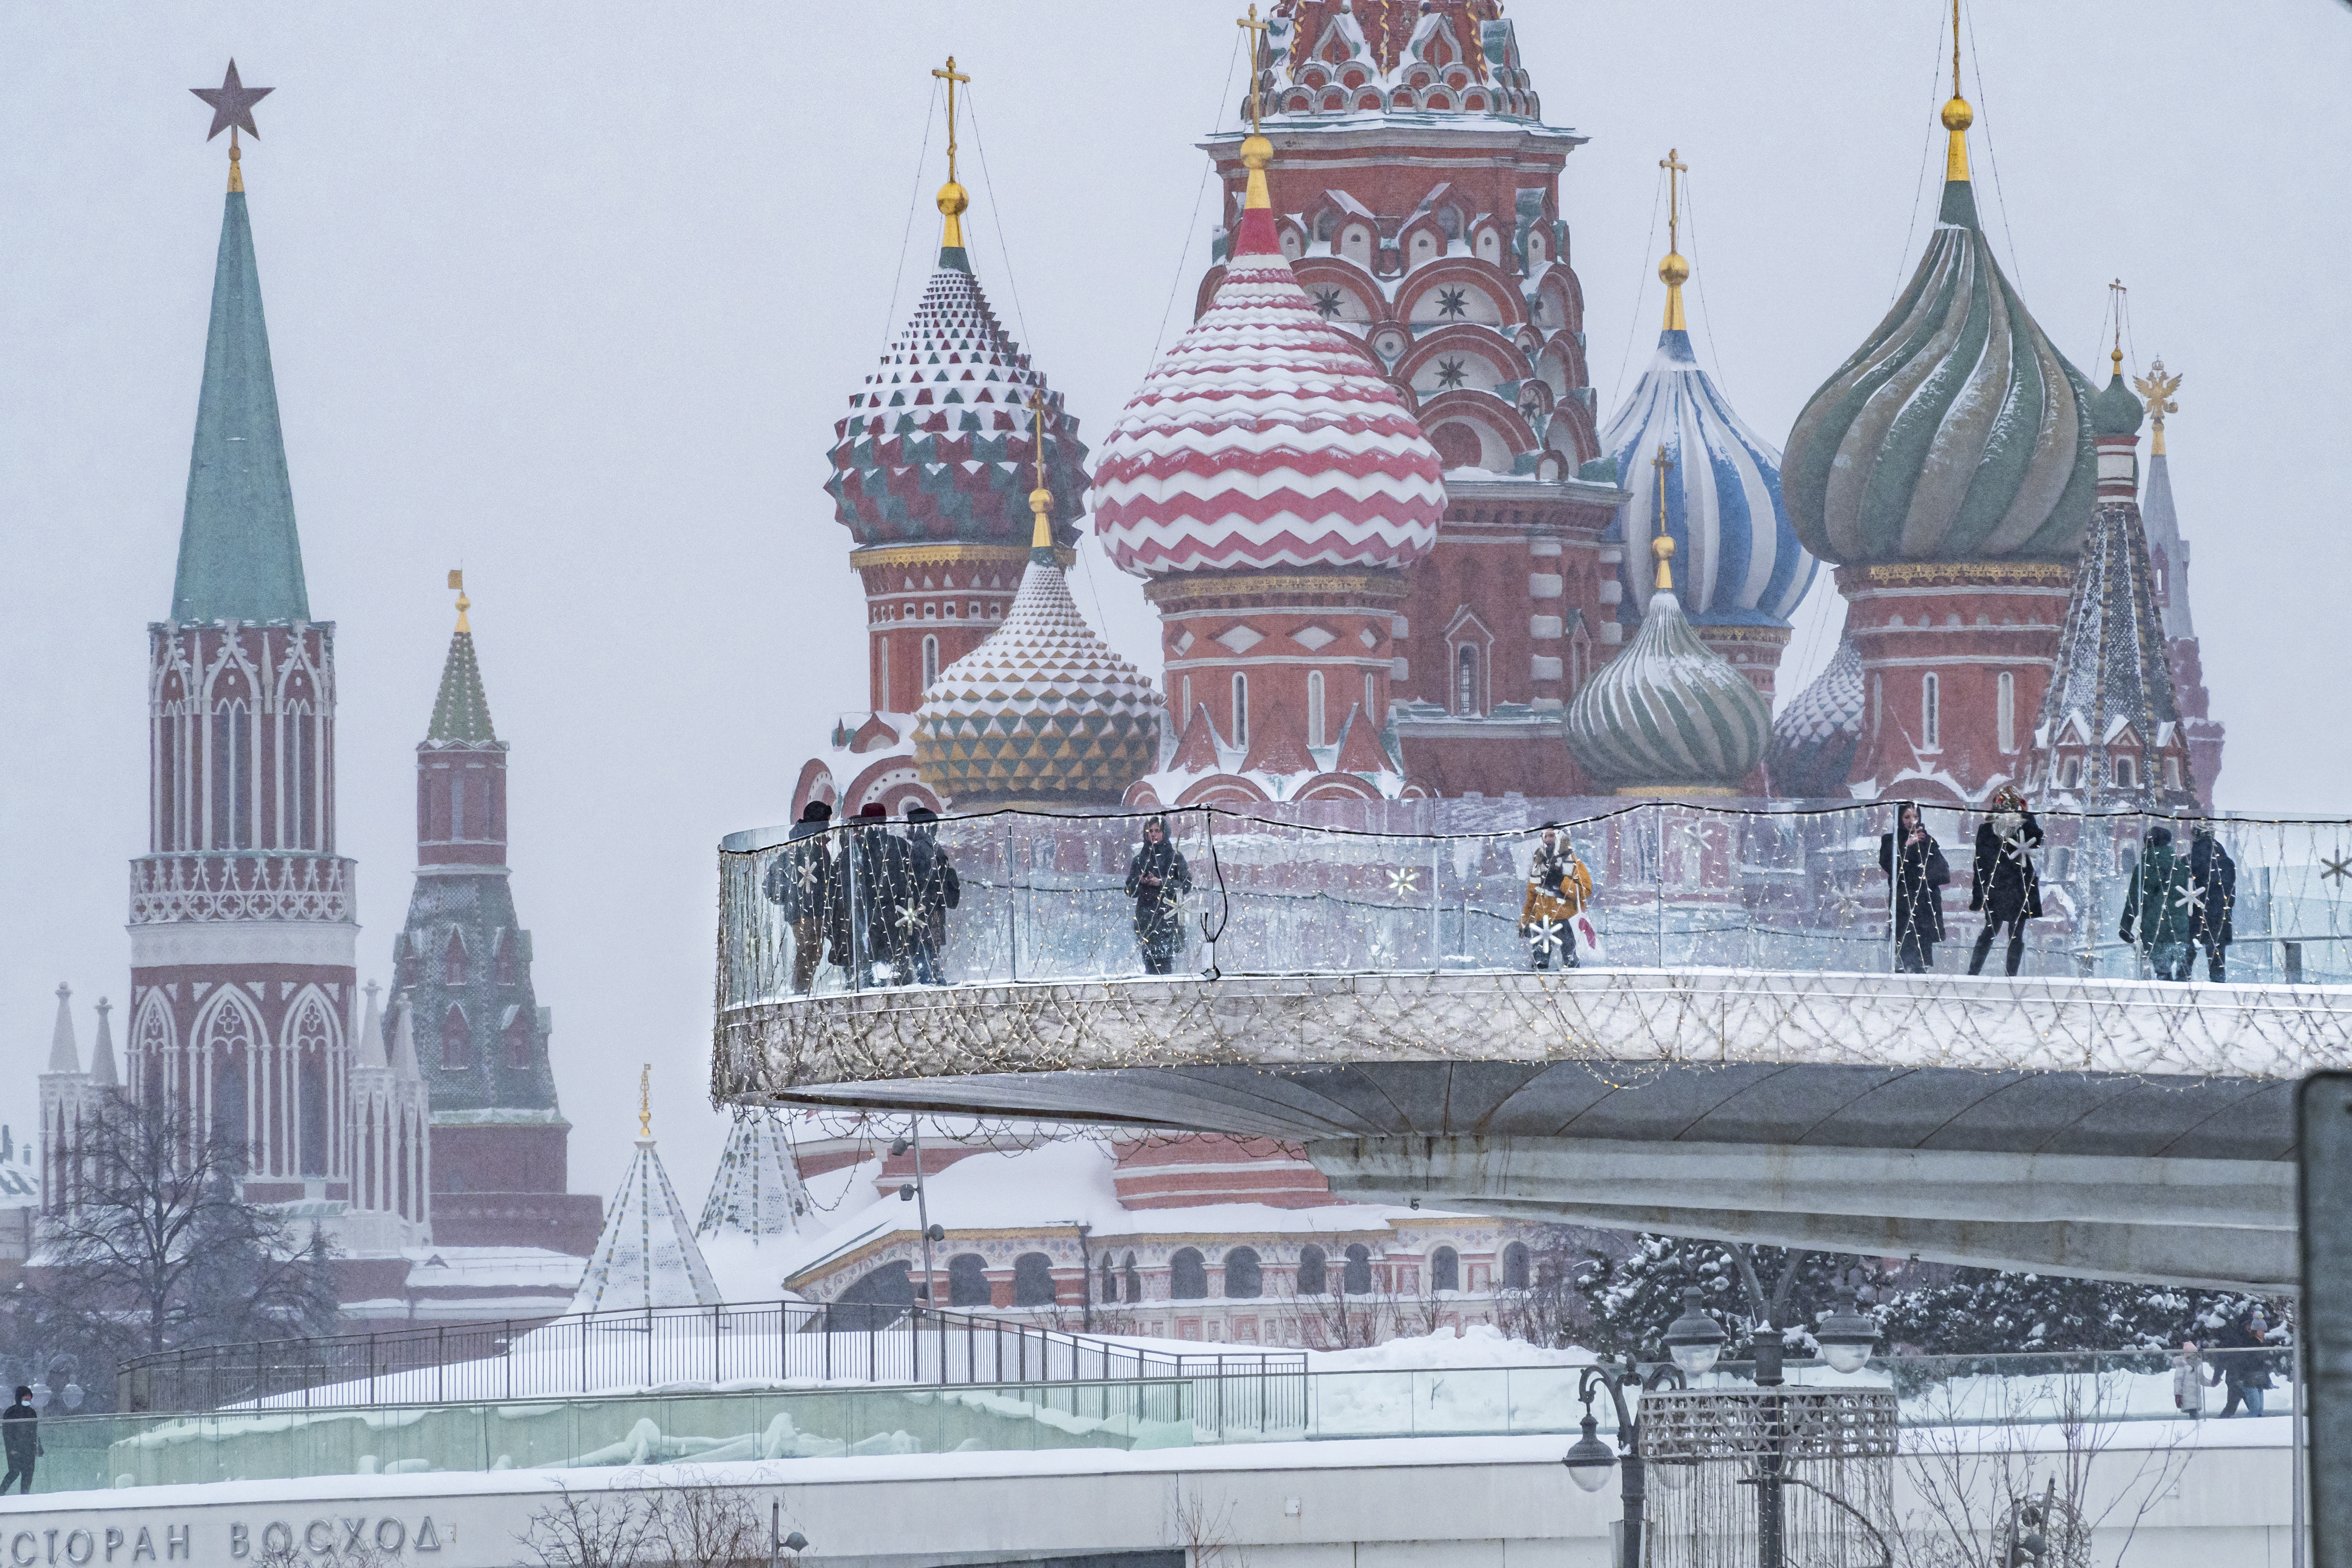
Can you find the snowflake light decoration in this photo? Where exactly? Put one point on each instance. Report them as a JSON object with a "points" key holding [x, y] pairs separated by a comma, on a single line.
{"points": [[1402, 882], [1550, 935]]}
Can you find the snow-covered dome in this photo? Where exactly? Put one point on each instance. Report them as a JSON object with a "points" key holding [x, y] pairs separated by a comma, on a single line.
{"points": [[1738, 560], [1815, 737], [1265, 437], [1956, 432], [1668, 712], [1043, 711], [937, 445]]}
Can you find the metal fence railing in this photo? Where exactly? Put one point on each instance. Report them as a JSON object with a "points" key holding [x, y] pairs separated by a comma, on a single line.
{"points": [[668, 1347]]}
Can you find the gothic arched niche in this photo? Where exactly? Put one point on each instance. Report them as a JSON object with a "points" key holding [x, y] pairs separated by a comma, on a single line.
{"points": [[313, 1037], [226, 1037]]}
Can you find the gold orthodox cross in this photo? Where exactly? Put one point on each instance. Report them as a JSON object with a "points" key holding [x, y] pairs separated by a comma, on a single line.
{"points": [[951, 77], [1674, 166], [1256, 31]]}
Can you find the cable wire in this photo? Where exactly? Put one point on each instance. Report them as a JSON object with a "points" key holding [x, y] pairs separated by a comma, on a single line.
{"points": [[1993, 158], [1199, 193], [915, 200], [996, 216], [1641, 292], [1919, 184]]}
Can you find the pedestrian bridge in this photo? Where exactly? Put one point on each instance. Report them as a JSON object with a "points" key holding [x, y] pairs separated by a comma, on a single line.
{"points": [[1731, 1058]]}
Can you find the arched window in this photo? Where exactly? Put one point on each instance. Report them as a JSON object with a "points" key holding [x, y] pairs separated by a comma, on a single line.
{"points": [[1515, 1266], [1185, 717], [931, 661], [232, 777], [876, 1299], [298, 792], [1188, 1275], [1356, 1279], [229, 1039], [516, 1035], [2127, 771], [1312, 1280], [453, 967], [967, 1281], [1033, 1280], [503, 966], [1371, 691], [456, 1039], [1465, 679], [882, 673], [2005, 711], [1241, 711], [1134, 1278], [1244, 1277], [2073, 773], [310, 1041], [1445, 1269], [1931, 712], [1315, 708], [2171, 772], [1109, 1290]]}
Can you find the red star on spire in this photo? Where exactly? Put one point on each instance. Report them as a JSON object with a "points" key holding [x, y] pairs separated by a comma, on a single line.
{"points": [[231, 103]]}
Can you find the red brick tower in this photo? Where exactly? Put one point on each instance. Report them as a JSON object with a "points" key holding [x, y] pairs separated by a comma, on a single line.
{"points": [[1414, 191], [2168, 567], [1946, 470]]}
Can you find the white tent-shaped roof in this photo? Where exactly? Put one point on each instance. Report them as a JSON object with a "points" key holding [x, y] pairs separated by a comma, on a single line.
{"points": [[648, 1256], [756, 1191]]}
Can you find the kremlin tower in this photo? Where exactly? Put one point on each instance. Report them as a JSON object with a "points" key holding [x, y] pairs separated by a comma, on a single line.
{"points": [[1743, 570], [1415, 196], [1946, 470], [1274, 488], [2168, 567], [930, 474], [461, 969], [243, 927]]}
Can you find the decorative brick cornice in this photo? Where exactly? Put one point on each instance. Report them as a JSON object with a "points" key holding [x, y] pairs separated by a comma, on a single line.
{"points": [[1176, 593], [953, 555], [1955, 575]]}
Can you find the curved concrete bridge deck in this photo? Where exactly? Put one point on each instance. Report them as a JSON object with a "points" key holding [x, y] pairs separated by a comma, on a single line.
{"points": [[2107, 1129]]}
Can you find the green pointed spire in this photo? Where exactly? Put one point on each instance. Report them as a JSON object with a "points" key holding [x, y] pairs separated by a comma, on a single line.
{"points": [[240, 559], [461, 713]]}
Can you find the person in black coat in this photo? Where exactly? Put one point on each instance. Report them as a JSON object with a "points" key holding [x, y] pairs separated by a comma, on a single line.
{"points": [[801, 882], [1918, 892], [20, 1435], [2004, 885], [879, 897], [933, 889], [2213, 876], [1158, 880]]}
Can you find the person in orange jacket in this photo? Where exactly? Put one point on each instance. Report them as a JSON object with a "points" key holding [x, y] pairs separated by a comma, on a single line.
{"points": [[1559, 887]]}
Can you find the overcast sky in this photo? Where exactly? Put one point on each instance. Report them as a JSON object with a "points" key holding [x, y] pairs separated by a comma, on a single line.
{"points": [[572, 294]]}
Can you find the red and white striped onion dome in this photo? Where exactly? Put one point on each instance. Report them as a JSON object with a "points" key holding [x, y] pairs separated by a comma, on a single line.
{"points": [[1265, 438]]}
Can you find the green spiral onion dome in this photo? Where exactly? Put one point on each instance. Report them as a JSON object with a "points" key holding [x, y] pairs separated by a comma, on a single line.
{"points": [[1955, 433], [1668, 713]]}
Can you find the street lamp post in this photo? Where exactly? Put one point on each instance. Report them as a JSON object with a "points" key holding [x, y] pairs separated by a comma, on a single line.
{"points": [[1589, 1458]]}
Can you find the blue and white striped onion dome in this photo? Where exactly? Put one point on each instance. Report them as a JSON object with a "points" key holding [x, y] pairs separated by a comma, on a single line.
{"points": [[1668, 712], [1737, 562]]}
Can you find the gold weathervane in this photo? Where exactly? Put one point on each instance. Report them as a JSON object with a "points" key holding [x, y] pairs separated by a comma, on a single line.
{"points": [[954, 197], [1662, 547], [646, 1102], [2157, 388], [1957, 116], [1674, 270], [1256, 151], [457, 587], [1040, 500]]}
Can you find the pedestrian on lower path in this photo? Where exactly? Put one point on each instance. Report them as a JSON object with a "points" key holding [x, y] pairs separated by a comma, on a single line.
{"points": [[20, 1435], [2191, 1376]]}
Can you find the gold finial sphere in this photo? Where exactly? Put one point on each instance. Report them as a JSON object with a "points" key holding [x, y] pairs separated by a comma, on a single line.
{"points": [[1256, 152], [1040, 500], [1661, 548], [1674, 269], [1957, 115], [953, 200]]}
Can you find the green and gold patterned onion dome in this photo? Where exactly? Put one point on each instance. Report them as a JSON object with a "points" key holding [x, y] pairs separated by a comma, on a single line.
{"points": [[1668, 715], [1956, 432], [1043, 714]]}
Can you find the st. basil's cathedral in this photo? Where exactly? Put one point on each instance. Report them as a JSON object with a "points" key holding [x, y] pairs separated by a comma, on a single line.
{"points": [[1396, 553]]}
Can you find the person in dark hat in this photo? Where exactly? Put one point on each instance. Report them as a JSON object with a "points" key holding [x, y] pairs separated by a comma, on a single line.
{"points": [[2004, 885], [933, 889], [1158, 880], [20, 1435], [2214, 879], [801, 882], [880, 899], [1918, 889]]}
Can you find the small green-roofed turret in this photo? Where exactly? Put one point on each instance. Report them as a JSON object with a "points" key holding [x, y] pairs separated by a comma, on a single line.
{"points": [[461, 709]]}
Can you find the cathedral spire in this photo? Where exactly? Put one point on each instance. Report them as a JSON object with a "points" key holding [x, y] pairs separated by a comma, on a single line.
{"points": [[1960, 195], [953, 199], [102, 1073], [1673, 270], [65, 1054], [240, 558]]}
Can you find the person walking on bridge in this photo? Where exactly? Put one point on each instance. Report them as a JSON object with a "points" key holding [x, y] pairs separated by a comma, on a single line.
{"points": [[20, 1435], [1918, 890], [2004, 885], [2162, 903], [1557, 889]]}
